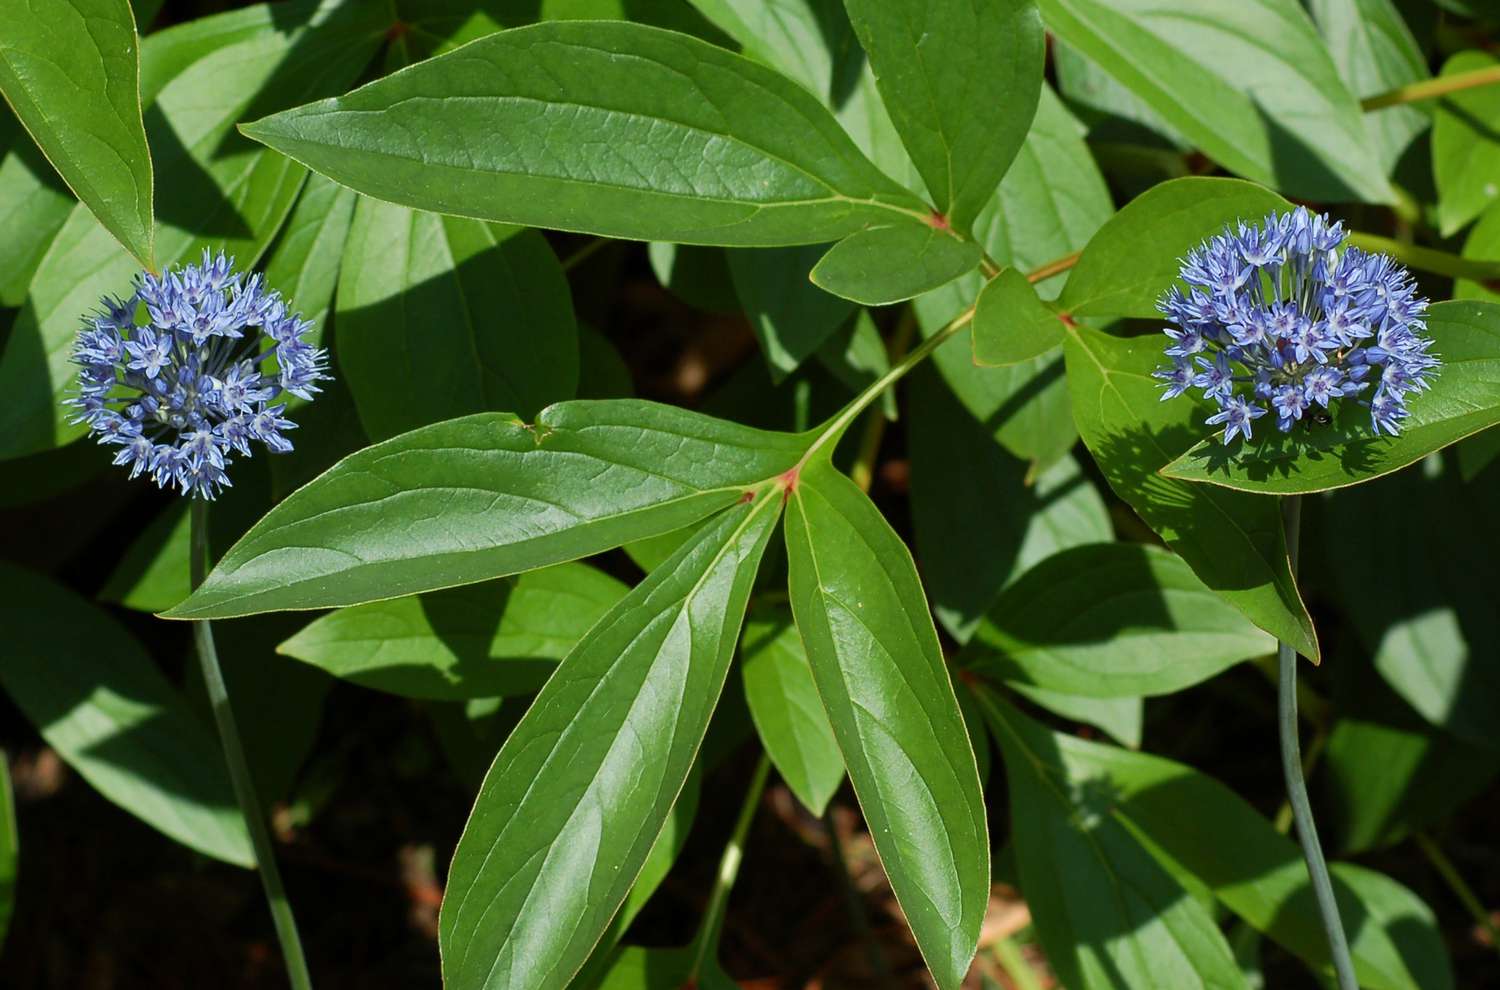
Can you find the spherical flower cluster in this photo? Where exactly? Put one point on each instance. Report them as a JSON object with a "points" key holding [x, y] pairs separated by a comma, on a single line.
{"points": [[1279, 318], [198, 378]]}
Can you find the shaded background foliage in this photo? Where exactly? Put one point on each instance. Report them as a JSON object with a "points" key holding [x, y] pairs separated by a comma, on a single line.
{"points": [[981, 473]]}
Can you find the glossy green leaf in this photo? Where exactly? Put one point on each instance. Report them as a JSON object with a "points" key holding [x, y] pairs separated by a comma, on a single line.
{"points": [[1375, 52], [879, 669], [34, 204], [786, 709], [304, 266], [1226, 847], [1248, 81], [71, 71], [1133, 260], [1465, 145], [1109, 915], [1011, 323], [166, 53], [960, 81], [770, 165], [1112, 620], [1464, 399], [441, 316], [485, 496], [889, 264], [1421, 598], [599, 970], [1050, 203], [790, 36], [1232, 540], [10, 847], [791, 316], [494, 639], [97, 698], [584, 784], [227, 193], [1113, 112], [968, 551]]}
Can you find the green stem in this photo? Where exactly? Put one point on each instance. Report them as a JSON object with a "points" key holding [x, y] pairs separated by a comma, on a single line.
{"points": [[1459, 886], [863, 471], [856, 908], [584, 253], [729, 869], [1296, 786], [1010, 957], [1428, 259], [834, 428], [1432, 88], [239, 769]]}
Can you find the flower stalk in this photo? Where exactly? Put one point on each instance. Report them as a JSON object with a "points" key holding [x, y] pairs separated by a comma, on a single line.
{"points": [[1431, 89], [1296, 785], [239, 769]]}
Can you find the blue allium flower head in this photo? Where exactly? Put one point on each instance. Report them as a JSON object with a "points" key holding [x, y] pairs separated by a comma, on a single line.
{"points": [[190, 368], [1282, 318]]}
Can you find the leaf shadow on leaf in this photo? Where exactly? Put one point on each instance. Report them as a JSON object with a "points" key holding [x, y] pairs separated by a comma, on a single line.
{"points": [[1236, 853], [189, 198], [1295, 165], [28, 420], [467, 629], [1483, 129], [1019, 399], [1274, 454], [1040, 630]]}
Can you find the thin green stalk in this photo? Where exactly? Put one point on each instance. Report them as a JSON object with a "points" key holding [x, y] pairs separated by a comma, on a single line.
{"points": [[1296, 786], [857, 917], [239, 769], [1008, 953], [584, 253], [1459, 886], [1430, 89], [729, 869], [863, 471], [1428, 259]]}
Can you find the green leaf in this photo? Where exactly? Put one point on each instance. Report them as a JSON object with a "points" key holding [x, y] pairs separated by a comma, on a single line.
{"points": [[485, 496], [1375, 52], [598, 970], [1050, 203], [879, 669], [1421, 597], [699, 276], [890, 264], [790, 36], [1122, 718], [227, 193], [1225, 846], [10, 848], [1011, 323], [786, 709], [70, 69], [1233, 541], [441, 316], [1482, 244], [1387, 772], [1465, 146], [959, 474], [494, 639], [1464, 399], [1248, 81], [304, 266], [97, 699], [34, 204], [1108, 914], [707, 147], [960, 81], [791, 316], [1134, 258], [1112, 620], [584, 784]]}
